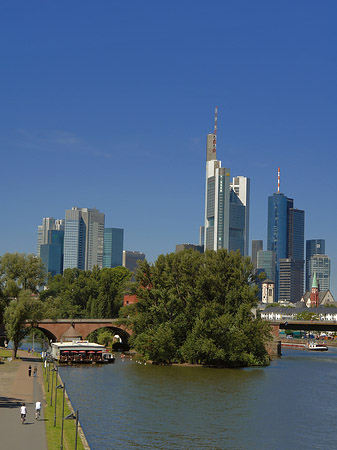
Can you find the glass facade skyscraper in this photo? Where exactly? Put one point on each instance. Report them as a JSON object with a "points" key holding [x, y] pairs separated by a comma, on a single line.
{"points": [[321, 266], [226, 205], [113, 247], [285, 236], [52, 253], [83, 238], [313, 247]]}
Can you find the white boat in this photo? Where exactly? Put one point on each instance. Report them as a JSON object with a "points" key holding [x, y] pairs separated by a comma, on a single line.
{"points": [[78, 351], [314, 346]]}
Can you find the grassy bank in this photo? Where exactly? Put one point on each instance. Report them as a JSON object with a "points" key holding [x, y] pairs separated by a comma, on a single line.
{"points": [[69, 426]]}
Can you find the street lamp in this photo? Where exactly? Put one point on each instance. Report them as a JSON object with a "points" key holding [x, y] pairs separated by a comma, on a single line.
{"points": [[64, 389], [52, 384], [57, 387], [73, 416]]}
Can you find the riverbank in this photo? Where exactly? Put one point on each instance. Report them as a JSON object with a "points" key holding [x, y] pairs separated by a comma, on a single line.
{"points": [[54, 412]]}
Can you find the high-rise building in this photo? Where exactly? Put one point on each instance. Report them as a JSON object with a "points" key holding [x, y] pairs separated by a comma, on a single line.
{"points": [[130, 259], [291, 279], [52, 252], [266, 262], [239, 215], [286, 238], [83, 238], [226, 204], [48, 223], [257, 245], [313, 247], [113, 247], [320, 266], [182, 247]]}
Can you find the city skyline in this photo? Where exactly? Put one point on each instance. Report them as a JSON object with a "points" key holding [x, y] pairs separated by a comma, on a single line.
{"points": [[98, 117]]}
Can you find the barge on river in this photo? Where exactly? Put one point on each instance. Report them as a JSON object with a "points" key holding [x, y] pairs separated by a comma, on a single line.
{"points": [[80, 352]]}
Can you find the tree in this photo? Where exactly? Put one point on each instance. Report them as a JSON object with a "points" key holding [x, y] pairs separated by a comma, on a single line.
{"points": [[20, 271], [24, 308], [111, 285], [197, 308]]}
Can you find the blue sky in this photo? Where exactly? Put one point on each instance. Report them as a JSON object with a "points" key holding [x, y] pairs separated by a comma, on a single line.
{"points": [[107, 104]]}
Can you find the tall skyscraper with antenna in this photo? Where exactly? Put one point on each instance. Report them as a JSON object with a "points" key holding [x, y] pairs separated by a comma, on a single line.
{"points": [[226, 203], [285, 237]]}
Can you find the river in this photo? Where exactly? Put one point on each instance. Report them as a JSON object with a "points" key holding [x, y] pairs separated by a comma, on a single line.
{"points": [[289, 405]]}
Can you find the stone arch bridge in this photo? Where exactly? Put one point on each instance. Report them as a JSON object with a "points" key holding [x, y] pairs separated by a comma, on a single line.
{"points": [[68, 329]]}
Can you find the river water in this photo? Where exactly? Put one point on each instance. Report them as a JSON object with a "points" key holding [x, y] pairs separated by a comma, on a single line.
{"points": [[289, 405]]}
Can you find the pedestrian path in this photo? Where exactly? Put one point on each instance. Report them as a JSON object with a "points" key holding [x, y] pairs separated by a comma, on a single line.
{"points": [[31, 435]]}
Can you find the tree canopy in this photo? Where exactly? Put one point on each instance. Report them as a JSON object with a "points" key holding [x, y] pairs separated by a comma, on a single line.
{"points": [[24, 308], [78, 293], [197, 308]]}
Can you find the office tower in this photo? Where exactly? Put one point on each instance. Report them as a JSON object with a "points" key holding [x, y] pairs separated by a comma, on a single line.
{"points": [[313, 247], [291, 279], [257, 245], [320, 267], [83, 238], [113, 247], [296, 244], [182, 247], [239, 215], [201, 235], [266, 262], [48, 223], [286, 238], [52, 252], [130, 259], [226, 204]]}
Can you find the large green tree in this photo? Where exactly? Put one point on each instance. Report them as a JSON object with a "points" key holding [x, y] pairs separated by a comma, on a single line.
{"points": [[79, 293], [20, 271], [197, 308], [25, 308]]}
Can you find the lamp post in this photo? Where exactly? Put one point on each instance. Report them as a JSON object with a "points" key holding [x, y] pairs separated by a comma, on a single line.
{"points": [[64, 389], [52, 384], [74, 416], [57, 387]]}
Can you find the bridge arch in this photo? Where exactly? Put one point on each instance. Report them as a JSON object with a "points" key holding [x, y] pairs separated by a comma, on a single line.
{"points": [[68, 329]]}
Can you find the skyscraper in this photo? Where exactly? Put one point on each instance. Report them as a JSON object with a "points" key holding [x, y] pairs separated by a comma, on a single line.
{"points": [[266, 262], [52, 252], [313, 247], [239, 215], [48, 223], [226, 204], [113, 247], [257, 245], [130, 259], [83, 238], [286, 238], [320, 265]]}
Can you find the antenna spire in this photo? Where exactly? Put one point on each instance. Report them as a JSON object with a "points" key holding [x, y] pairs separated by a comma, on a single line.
{"points": [[215, 129], [278, 181]]}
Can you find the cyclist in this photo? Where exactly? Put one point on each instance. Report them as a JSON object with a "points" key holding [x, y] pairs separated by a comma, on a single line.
{"points": [[37, 409], [23, 412]]}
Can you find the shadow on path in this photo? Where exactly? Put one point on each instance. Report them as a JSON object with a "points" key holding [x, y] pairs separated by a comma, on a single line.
{"points": [[8, 402]]}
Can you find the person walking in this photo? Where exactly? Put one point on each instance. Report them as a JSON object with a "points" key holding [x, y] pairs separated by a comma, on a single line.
{"points": [[35, 371], [23, 412], [29, 370], [37, 409]]}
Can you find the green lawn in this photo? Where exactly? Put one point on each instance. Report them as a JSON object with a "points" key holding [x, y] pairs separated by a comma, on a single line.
{"points": [[5, 353], [54, 433]]}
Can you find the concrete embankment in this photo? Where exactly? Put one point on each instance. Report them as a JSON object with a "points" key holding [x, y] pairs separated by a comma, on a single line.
{"points": [[70, 406]]}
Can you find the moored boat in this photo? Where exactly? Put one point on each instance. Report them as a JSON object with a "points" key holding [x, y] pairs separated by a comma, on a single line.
{"points": [[78, 352], [315, 346]]}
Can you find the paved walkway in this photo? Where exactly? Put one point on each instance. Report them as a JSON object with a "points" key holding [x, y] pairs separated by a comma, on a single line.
{"points": [[17, 387]]}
